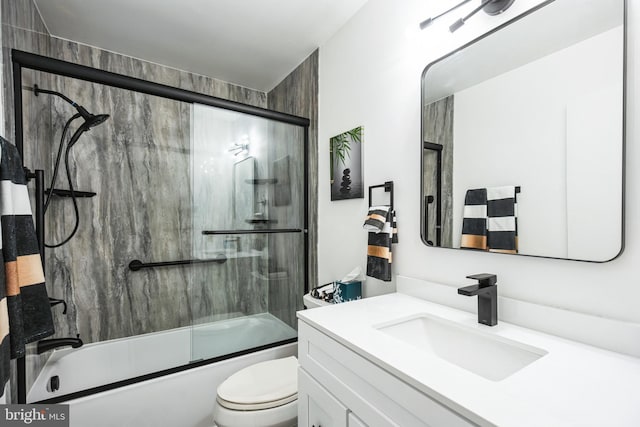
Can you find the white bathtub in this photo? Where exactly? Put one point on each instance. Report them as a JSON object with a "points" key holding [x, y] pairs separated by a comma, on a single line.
{"points": [[107, 362], [184, 399]]}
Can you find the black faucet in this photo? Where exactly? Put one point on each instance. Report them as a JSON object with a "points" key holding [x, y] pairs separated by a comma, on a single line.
{"points": [[46, 345], [487, 292]]}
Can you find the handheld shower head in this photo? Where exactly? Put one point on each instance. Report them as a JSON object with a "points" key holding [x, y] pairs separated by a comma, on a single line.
{"points": [[91, 120], [99, 119]]}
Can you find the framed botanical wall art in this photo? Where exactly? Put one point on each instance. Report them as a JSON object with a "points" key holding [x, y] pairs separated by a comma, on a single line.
{"points": [[345, 156]]}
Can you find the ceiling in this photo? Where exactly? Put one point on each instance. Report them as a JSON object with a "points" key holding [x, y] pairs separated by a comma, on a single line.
{"points": [[253, 43]]}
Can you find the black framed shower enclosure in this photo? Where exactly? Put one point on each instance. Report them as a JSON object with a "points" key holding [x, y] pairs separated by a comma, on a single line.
{"points": [[23, 60]]}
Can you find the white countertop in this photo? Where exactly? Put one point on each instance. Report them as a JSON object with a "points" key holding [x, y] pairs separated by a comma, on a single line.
{"points": [[573, 385]]}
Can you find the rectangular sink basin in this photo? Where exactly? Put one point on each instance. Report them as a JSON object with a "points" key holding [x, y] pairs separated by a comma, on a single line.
{"points": [[490, 356]]}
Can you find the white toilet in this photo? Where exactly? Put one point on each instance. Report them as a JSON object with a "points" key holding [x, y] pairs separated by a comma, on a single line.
{"points": [[260, 395]]}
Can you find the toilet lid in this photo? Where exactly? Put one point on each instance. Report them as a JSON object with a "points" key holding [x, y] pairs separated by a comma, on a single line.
{"points": [[260, 386]]}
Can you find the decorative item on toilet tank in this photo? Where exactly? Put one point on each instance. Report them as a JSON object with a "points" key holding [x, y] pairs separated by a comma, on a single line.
{"points": [[345, 151]]}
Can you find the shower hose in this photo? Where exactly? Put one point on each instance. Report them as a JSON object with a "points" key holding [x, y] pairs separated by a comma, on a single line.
{"points": [[56, 169]]}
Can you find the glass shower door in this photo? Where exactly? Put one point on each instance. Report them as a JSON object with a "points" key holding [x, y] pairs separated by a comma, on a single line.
{"points": [[248, 220]]}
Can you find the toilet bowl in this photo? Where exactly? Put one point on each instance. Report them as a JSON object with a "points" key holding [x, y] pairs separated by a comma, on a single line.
{"points": [[260, 395]]}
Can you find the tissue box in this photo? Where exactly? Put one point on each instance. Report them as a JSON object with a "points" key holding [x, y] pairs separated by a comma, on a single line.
{"points": [[347, 291]]}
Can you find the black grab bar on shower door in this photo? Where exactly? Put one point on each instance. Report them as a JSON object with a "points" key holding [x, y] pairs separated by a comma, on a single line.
{"points": [[264, 231], [136, 264]]}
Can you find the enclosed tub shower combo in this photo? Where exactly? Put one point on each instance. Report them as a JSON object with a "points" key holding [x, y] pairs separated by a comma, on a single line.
{"points": [[175, 226]]}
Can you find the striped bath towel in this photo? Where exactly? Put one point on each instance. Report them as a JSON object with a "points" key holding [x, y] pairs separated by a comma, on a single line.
{"points": [[490, 220], [383, 232], [25, 314]]}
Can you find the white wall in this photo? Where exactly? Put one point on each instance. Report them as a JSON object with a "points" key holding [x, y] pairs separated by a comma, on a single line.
{"points": [[370, 75], [486, 133]]}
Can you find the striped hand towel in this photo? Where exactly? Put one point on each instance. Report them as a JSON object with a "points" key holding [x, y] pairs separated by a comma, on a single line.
{"points": [[381, 224], [502, 221], [25, 314], [490, 220], [474, 221]]}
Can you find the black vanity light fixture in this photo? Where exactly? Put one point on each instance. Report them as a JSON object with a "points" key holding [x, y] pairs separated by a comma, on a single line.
{"points": [[490, 7]]}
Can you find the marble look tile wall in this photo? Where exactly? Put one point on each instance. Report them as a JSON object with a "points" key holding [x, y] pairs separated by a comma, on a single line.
{"points": [[285, 164], [139, 164], [23, 29], [298, 94], [97, 58], [23, 14], [437, 122]]}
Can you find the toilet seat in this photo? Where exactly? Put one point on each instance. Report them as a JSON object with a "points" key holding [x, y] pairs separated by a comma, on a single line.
{"points": [[256, 406], [264, 394], [261, 386]]}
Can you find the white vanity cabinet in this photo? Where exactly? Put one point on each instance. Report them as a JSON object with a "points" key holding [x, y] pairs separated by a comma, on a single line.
{"points": [[337, 388], [316, 406]]}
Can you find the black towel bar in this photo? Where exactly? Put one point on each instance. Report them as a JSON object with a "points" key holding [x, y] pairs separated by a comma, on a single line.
{"points": [[388, 188]]}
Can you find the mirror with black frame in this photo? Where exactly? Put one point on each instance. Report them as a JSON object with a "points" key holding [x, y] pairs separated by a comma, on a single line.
{"points": [[523, 136]]}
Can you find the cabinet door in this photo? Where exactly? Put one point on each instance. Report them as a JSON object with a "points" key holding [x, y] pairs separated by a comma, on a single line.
{"points": [[316, 406], [353, 421]]}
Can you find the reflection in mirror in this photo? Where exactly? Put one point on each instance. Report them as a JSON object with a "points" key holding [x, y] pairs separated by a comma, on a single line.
{"points": [[244, 171], [523, 136]]}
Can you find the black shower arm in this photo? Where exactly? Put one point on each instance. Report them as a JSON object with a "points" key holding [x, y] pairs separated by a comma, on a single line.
{"points": [[83, 112], [37, 90], [87, 116]]}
